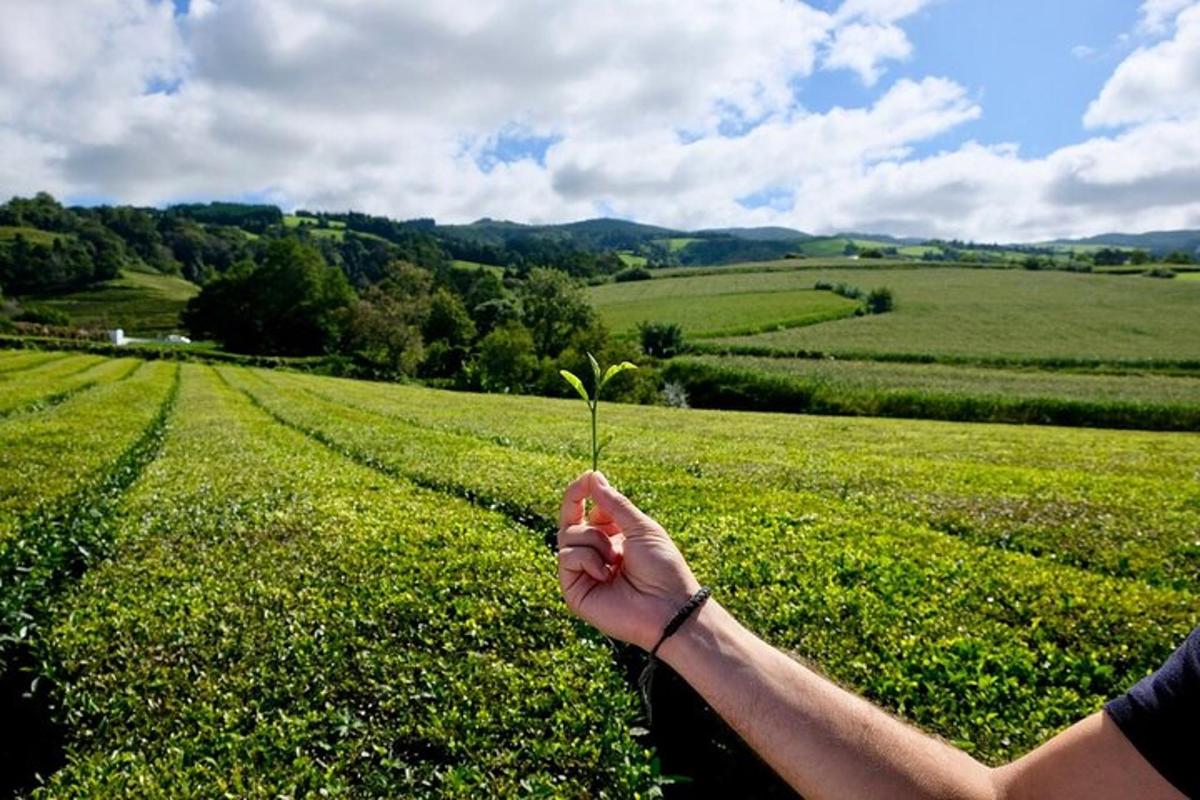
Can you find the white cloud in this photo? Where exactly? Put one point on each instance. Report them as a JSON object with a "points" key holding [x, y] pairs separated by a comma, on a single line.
{"points": [[862, 47], [666, 113], [1157, 82], [1156, 16], [1083, 51]]}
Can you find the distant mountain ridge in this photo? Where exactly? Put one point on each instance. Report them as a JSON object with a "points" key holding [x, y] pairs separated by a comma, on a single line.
{"points": [[1157, 242], [621, 233]]}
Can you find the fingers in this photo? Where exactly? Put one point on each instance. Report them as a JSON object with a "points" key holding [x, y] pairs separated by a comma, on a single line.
{"points": [[583, 559], [572, 504], [612, 506], [589, 536]]}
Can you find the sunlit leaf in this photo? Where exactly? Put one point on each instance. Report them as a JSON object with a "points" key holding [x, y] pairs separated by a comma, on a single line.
{"points": [[617, 369], [572, 379]]}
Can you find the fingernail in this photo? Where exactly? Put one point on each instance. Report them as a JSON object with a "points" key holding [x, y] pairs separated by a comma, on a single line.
{"points": [[600, 478]]}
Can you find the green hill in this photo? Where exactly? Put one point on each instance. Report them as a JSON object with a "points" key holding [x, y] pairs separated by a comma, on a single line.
{"points": [[138, 302]]}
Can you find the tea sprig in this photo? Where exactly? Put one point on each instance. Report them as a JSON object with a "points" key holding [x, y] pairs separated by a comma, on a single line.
{"points": [[593, 402]]}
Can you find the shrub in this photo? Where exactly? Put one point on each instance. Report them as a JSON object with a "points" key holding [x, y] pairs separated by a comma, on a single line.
{"points": [[633, 274], [849, 291], [661, 339], [1159, 272], [880, 301], [823, 286]]}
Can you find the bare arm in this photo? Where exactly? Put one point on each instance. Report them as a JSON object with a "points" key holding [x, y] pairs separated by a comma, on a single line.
{"points": [[620, 571], [828, 743]]}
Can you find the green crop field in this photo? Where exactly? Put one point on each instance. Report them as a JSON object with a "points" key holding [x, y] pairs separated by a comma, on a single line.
{"points": [[623, 305], [294, 585], [941, 391], [977, 313], [974, 381], [138, 302]]}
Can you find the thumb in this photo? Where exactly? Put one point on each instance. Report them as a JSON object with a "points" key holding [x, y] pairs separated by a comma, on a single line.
{"points": [[619, 508]]}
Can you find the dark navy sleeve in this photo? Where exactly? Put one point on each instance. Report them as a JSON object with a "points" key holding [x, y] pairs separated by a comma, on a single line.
{"points": [[1160, 715]]}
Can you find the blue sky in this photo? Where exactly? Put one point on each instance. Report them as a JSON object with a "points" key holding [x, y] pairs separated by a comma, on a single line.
{"points": [[1014, 120], [1014, 56]]}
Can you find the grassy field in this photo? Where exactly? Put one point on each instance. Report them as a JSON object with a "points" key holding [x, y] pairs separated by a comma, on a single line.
{"points": [[975, 381], [623, 305], [302, 584], [940, 391], [977, 313], [32, 235], [138, 302], [475, 265]]}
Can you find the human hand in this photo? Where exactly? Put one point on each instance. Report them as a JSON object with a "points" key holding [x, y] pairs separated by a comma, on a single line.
{"points": [[618, 569]]}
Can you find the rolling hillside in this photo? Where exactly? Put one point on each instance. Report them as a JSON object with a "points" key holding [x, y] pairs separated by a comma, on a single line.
{"points": [[138, 302]]}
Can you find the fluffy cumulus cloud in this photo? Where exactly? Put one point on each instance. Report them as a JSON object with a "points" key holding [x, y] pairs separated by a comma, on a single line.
{"points": [[679, 112], [1160, 81]]}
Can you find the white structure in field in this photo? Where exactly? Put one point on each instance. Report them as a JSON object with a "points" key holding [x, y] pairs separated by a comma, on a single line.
{"points": [[118, 337]]}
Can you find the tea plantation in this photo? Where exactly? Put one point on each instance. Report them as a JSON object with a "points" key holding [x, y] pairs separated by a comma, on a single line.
{"points": [[220, 581]]}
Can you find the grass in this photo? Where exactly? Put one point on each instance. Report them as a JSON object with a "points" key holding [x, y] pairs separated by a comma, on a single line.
{"points": [[295, 221], [1187, 276], [137, 302], [675, 244], [317, 584], [937, 391], [476, 266], [980, 313], [32, 235], [632, 260], [1018, 383], [722, 312]]}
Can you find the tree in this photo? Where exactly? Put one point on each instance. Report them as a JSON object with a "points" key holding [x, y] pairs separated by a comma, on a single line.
{"points": [[1109, 257], [553, 307], [291, 303], [506, 362], [448, 320], [386, 323]]}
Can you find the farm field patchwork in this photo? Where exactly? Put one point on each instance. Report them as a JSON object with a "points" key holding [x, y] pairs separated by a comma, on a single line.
{"points": [[322, 583], [970, 313], [719, 315], [1169, 402], [975, 381]]}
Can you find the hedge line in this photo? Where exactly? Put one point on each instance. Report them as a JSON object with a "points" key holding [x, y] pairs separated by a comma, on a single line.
{"points": [[1166, 365], [732, 388]]}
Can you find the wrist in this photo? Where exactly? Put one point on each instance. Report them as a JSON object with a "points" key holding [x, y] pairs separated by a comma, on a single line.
{"points": [[699, 634]]}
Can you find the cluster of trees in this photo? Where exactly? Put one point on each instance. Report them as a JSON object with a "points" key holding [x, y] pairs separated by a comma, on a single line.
{"points": [[470, 328], [46, 246]]}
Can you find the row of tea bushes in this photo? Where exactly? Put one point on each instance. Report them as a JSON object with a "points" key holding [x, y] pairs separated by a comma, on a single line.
{"points": [[278, 620]]}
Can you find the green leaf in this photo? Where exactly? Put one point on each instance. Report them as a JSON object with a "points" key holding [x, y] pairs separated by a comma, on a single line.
{"points": [[595, 367], [570, 378], [617, 369]]}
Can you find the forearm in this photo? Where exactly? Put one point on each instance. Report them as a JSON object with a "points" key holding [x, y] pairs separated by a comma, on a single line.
{"points": [[824, 741]]}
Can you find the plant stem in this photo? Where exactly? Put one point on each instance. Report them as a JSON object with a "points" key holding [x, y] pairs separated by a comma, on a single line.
{"points": [[595, 450]]}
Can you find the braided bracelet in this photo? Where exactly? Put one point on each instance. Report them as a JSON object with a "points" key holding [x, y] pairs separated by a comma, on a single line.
{"points": [[681, 616]]}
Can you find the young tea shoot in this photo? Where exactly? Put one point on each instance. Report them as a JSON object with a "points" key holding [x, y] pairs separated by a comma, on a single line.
{"points": [[593, 401]]}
